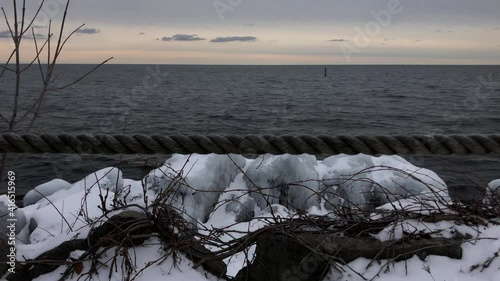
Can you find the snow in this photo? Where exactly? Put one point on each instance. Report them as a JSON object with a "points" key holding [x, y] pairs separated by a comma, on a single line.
{"points": [[196, 182], [44, 190], [151, 250], [239, 195], [485, 244], [367, 182]]}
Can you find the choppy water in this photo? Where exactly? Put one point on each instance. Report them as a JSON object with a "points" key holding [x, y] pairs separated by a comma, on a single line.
{"points": [[351, 100]]}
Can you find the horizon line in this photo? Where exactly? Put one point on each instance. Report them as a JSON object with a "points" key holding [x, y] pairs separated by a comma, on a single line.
{"points": [[211, 64]]}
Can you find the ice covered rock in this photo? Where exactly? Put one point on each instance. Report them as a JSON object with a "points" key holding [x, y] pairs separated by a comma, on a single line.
{"points": [[195, 182], [406, 180], [346, 182], [494, 186], [6, 208], [44, 190], [235, 205], [492, 195], [107, 179], [132, 192], [72, 209], [289, 180], [367, 182]]}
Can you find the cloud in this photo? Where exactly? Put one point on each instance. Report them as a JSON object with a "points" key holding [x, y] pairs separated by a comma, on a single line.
{"points": [[141, 33], [338, 40], [88, 31], [183, 37], [497, 28], [443, 31], [6, 35], [248, 24], [234, 39]]}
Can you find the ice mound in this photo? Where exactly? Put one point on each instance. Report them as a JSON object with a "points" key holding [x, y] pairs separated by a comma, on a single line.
{"points": [[367, 182], [198, 185], [44, 190], [494, 186], [234, 189], [243, 195], [289, 180], [195, 182], [493, 192], [70, 209]]}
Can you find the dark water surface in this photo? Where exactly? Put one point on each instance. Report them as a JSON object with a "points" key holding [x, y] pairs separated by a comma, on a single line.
{"points": [[352, 100]]}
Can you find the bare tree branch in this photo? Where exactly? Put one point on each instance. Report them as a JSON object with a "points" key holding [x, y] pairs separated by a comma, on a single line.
{"points": [[3, 118], [34, 17], [48, 52], [38, 52], [8, 25], [82, 77], [17, 41], [23, 16], [61, 31], [71, 34]]}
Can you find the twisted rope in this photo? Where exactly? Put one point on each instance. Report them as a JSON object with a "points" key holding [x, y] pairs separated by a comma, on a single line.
{"points": [[251, 144]]}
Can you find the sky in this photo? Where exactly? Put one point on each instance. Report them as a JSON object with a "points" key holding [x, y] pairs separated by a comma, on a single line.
{"points": [[270, 32]]}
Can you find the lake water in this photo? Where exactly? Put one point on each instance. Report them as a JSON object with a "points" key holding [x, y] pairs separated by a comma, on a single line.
{"points": [[177, 99]]}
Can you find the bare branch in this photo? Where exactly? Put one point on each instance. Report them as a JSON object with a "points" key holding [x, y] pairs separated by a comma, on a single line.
{"points": [[48, 51], [38, 52], [4, 67], [82, 77], [70, 35], [17, 41], [8, 25], [34, 18], [3, 118], [23, 16], [61, 31]]}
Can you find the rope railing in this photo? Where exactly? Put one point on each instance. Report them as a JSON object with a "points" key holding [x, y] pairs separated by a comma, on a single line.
{"points": [[251, 144]]}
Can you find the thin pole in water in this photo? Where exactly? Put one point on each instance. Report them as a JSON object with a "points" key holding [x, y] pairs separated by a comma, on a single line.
{"points": [[326, 74]]}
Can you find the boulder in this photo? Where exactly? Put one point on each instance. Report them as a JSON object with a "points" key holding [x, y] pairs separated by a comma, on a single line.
{"points": [[283, 257]]}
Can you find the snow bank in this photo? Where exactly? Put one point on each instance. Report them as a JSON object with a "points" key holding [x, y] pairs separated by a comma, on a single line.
{"points": [[221, 191]]}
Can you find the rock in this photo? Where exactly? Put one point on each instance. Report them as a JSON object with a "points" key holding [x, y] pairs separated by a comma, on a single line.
{"points": [[44, 190], [282, 257], [113, 230]]}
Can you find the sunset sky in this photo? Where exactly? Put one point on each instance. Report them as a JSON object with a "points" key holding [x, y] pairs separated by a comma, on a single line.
{"points": [[274, 32]]}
